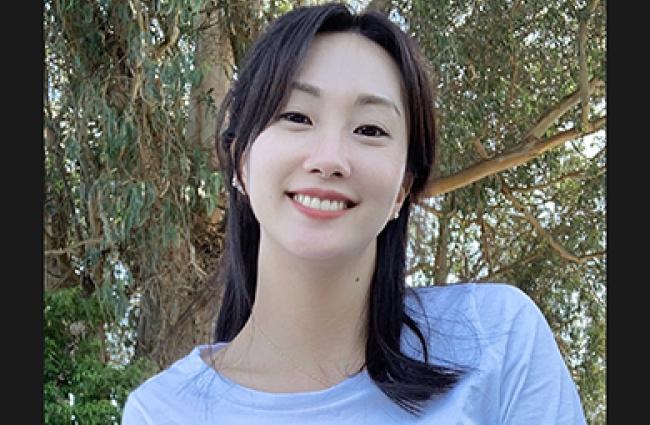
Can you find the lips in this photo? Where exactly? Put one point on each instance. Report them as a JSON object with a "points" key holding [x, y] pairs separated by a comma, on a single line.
{"points": [[324, 194]]}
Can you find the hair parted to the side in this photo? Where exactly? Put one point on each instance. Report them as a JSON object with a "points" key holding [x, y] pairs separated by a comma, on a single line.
{"points": [[255, 99]]}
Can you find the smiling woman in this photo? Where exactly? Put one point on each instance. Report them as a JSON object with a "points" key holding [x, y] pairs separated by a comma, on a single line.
{"points": [[328, 137], [331, 145]]}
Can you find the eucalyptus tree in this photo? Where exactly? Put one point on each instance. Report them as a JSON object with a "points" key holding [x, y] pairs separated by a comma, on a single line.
{"points": [[132, 197]]}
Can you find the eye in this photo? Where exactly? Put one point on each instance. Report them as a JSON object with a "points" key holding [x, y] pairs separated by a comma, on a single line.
{"points": [[296, 117], [370, 131]]}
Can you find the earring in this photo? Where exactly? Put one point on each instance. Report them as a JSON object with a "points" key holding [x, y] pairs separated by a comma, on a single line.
{"points": [[396, 215], [237, 185]]}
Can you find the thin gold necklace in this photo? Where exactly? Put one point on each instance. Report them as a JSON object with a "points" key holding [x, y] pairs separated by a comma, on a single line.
{"points": [[287, 357]]}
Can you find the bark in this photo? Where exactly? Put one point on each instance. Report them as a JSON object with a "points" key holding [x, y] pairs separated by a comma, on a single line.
{"points": [[584, 75], [583, 67], [441, 264], [244, 24], [214, 56], [180, 304]]}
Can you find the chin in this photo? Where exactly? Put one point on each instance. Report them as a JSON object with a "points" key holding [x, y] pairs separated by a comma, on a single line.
{"points": [[327, 250], [320, 253]]}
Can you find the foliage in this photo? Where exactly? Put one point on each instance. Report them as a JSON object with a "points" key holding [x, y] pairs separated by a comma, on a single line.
{"points": [[76, 363], [124, 183]]}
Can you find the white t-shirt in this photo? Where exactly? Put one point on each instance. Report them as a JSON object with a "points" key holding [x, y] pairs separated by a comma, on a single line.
{"points": [[517, 375]]}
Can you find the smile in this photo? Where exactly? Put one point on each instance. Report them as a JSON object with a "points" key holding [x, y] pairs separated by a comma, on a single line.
{"points": [[323, 206], [319, 204]]}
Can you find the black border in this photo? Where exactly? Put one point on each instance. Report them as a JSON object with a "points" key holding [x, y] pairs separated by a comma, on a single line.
{"points": [[627, 215], [22, 201]]}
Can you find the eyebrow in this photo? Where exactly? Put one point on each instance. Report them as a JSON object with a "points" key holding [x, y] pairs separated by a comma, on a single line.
{"points": [[362, 99]]}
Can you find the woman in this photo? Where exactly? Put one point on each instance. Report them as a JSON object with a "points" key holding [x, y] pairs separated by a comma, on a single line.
{"points": [[328, 136]]}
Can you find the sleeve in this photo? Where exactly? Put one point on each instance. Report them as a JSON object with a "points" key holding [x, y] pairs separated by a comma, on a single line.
{"points": [[535, 386], [133, 413]]}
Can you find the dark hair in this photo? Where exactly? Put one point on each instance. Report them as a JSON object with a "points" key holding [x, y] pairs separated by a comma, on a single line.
{"points": [[269, 69]]}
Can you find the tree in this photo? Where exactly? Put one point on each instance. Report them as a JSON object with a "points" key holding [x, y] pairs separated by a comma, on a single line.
{"points": [[80, 380], [135, 202]]}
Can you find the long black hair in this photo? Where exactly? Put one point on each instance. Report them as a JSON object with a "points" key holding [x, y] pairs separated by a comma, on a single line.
{"points": [[253, 102]]}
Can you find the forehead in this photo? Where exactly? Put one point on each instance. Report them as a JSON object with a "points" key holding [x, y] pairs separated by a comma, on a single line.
{"points": [[351, 63]]}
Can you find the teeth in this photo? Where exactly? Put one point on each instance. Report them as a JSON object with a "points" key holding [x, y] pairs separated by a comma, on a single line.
{"points": [[319, 204]]}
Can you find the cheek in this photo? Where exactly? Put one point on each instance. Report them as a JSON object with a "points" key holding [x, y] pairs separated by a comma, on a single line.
{"points": [[270, 162], [385, 178], [261, 158]]}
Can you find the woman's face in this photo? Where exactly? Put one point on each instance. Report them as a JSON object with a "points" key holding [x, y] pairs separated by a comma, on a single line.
{"points": [[325, 178]]}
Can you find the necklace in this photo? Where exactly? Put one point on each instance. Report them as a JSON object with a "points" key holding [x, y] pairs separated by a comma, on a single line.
{"points": [[287, 357]]}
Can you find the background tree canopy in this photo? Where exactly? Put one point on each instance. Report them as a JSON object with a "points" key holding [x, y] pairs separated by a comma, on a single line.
{"points": [[135, 202]]}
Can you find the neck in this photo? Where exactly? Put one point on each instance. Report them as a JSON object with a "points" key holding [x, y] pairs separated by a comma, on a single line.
{"points": [[308, 314]]}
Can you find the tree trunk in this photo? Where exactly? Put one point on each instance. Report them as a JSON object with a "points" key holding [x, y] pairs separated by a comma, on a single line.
{"points": [[179, 307], [441, 265], [214, 57]]}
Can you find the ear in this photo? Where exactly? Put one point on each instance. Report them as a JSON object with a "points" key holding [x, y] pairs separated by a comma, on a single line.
{"points": [[407, 182], [243, 167]]}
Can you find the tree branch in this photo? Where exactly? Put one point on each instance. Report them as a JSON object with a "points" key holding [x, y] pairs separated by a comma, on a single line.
{"points": [[509, 267], [171, 37], [582, 60], [564, 253], [441, 264], [578, 174], [522, 154], [441, 261], [485, 241], [72, 247], [476, 142], [583, 74], [560, 109]]}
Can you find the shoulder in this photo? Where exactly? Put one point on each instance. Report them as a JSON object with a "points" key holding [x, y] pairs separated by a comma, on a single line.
{"points": [[472, 318], [501, 334], [177, 373], [471, 290], [482, 302], [168, 392]]}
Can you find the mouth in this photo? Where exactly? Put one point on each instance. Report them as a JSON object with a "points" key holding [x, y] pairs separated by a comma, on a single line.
{"points": [[323, 201]]}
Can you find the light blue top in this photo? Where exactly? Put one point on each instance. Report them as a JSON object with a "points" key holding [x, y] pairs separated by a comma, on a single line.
{"points": [[517, 375]]}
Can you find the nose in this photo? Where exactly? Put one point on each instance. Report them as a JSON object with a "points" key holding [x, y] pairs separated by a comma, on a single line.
{"points": [[328, 157]]}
